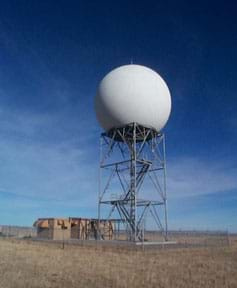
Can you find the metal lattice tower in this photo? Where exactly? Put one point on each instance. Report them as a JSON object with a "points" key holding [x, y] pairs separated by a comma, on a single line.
{"points": [[133, 179]]}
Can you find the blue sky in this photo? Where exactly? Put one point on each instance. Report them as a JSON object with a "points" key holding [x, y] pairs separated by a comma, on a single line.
{"points": [[53, 55]]}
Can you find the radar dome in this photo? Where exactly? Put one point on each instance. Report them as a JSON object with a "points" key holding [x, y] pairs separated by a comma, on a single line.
{"points": [[132, 93]]}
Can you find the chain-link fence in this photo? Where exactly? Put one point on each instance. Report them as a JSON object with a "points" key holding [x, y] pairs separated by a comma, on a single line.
{"points": [[17, 231], [175, 238]]}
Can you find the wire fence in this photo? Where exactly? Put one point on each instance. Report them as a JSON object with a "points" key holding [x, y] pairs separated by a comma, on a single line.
{"points": [[17, 231], [176, 238]]}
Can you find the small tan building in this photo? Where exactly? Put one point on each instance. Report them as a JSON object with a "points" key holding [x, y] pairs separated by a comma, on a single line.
{"points": [[74, 228]]}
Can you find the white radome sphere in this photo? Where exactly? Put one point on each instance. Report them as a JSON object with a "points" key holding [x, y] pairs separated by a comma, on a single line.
{"points": [[132, 93]]}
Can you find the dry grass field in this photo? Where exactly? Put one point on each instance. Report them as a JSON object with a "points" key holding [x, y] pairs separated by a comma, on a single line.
{"points": [[39, 264]]}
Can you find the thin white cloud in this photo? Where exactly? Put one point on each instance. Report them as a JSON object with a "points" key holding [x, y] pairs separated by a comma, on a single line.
{"points": [[32, 165], [44, 171], [39, 159], [194, 176]]}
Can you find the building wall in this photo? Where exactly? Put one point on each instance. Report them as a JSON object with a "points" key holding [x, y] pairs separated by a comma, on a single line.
{"points": [[73, 228], [61, 229], [44, 233]]}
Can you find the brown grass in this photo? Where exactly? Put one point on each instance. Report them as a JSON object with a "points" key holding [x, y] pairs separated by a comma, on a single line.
{"points": [[34, 264]]}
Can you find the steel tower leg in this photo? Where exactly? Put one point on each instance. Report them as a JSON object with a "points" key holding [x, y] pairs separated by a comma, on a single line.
{"points": [[132, 195], [130, 155]]}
